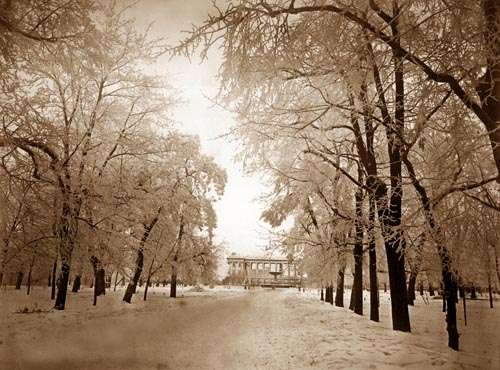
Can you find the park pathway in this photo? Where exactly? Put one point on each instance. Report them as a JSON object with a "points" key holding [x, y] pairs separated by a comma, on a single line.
{"points": [[230, 332], [237, 330]]}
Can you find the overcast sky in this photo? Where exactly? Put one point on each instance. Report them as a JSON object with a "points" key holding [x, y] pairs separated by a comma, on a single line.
{"points": [[239, 211]]}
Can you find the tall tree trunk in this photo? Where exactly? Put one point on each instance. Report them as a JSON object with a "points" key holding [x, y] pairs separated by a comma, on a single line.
{"points": [[99, 278], [339, 294], [357, 288], [450, 293], [139, 262], [77, 284], [173, 280], [62, 284], [53, 283], [67, 231], [19, 280], [28, 283], [148, 279], [449, 281], [411, 286], [322, 297], [489, 87], [372, 255], [145, 297]]}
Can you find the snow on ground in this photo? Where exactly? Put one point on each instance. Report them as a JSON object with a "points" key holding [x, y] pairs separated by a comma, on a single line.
{"points": [[234, 329]]}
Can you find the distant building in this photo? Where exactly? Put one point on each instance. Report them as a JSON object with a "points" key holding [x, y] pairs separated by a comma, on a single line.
{"points": [[263, 271]]}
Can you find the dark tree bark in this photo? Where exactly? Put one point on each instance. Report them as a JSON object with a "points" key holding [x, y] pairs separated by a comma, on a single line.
{"points": [[77, 284], [99, 278], [139, 262], [450, 295], [339, 294], [148, 278], [372, 255], [173, 279], [53, 285], [67, 231], [411, 287], [322, 297], [62, 285], [146, 289], [357, 288], [431, 289], [28, 283], [19, 280]]}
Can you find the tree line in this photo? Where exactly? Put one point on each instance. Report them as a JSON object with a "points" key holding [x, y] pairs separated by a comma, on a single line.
{"points": [[377, 122], [95, 178]]}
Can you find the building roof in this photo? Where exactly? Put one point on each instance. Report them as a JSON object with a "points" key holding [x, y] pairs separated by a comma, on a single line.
{"points": [[235, 256]]}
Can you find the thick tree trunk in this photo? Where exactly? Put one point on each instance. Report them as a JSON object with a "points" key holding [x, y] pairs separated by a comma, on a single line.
{"points": [[397, 283], [19, 280], [322, 297], [372, 255], [489, 87], [339, 294], [357, 288], [99, 278], [77, 284], [411, 286], [450, 293], [146, 288], [148, 279], [173, 282], [62, 285], [28, 283]]}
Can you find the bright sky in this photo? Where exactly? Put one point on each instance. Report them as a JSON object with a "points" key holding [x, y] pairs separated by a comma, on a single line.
{"points": [[239, 211]]}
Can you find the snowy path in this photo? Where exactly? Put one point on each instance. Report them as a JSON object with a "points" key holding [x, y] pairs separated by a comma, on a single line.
{"points": [[256, 330]]}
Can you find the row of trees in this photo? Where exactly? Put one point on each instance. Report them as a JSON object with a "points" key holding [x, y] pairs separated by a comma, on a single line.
{"points": [[378, 123], [93, 174]]}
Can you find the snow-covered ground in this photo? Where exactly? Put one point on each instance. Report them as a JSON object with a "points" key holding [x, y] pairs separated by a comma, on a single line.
{"points": [[234, 329]]}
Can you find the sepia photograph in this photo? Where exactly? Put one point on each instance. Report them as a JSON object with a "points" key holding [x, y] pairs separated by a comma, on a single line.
{"points": [[249, 184]]}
